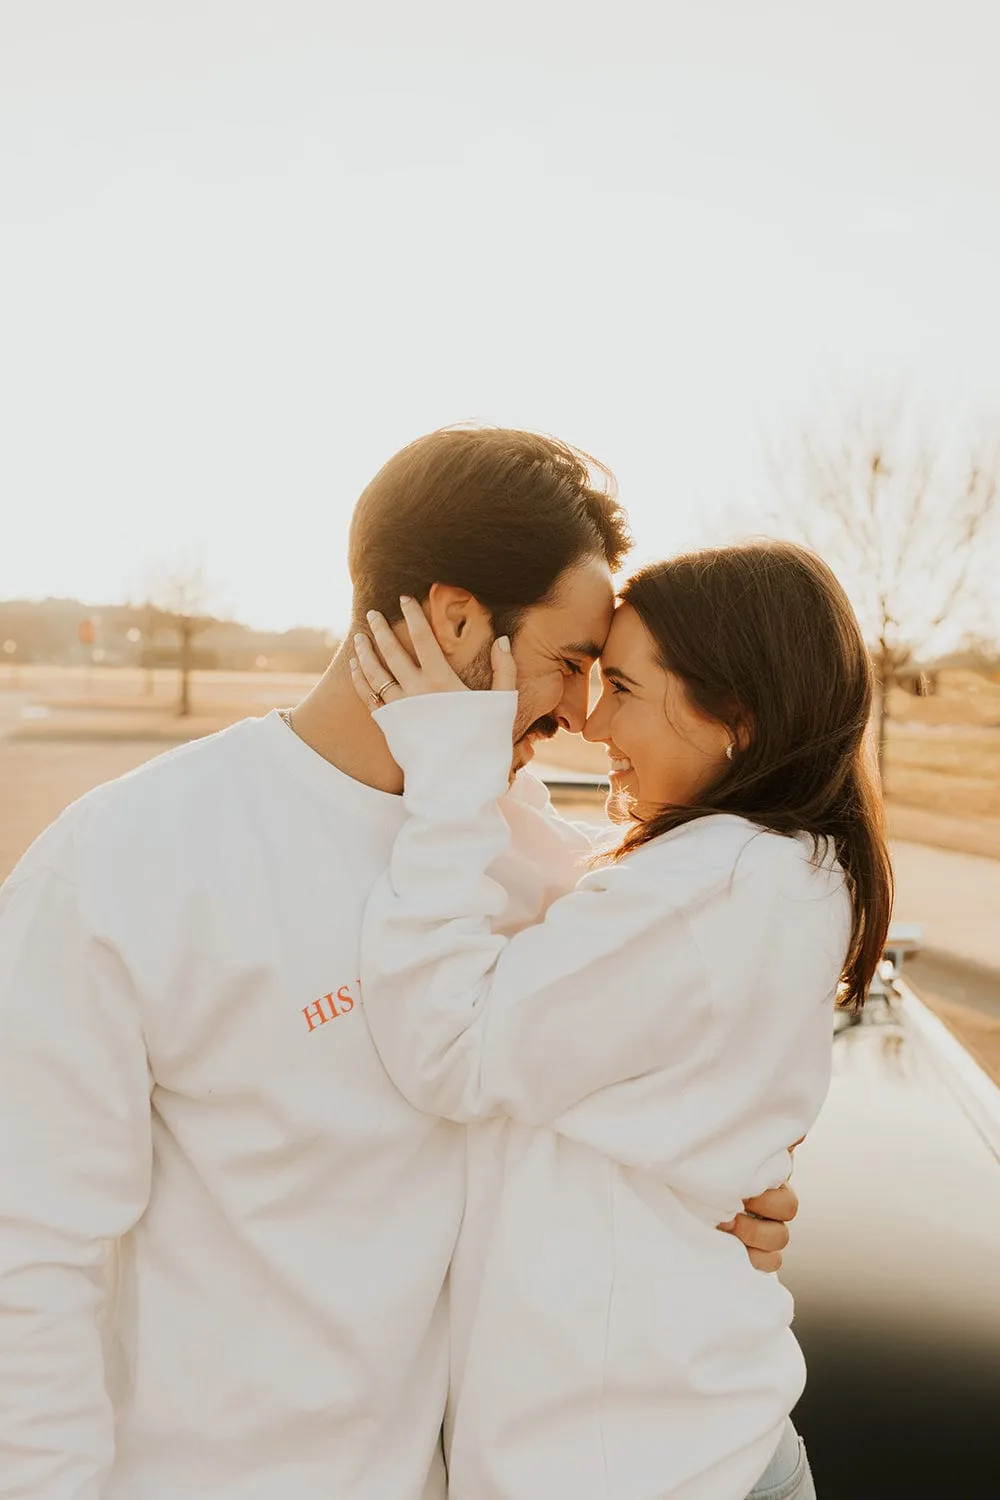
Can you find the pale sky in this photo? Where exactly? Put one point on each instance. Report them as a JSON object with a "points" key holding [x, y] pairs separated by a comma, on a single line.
{"points": [[248, 248]]}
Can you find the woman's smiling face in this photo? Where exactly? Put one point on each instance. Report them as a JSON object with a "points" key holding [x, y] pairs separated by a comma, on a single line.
{"points": [[662, 750]]}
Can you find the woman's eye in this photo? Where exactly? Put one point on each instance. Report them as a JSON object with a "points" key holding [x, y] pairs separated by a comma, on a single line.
{"points": [[618, 689]]}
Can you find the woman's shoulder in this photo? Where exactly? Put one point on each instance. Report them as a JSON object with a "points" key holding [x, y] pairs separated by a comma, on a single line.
{"points": [[681, 868], [717, 837], [735, 849]]}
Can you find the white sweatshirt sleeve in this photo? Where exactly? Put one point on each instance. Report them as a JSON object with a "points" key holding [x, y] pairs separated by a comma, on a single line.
{"points": [[74, 1175], [611, 989], [578, 834]]}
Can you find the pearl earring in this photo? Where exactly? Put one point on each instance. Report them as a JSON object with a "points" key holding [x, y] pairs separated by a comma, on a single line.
{"points": [[729, 750]]}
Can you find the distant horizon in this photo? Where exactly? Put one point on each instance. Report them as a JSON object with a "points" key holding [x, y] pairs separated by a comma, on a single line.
{"points": [[94, 607], [964, 645]]}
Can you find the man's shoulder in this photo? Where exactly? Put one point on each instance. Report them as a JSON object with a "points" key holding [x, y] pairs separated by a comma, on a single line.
{"points": [[183, 772], [151, 803]]}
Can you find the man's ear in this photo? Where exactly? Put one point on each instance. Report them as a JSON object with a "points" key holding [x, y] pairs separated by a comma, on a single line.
{"points": [[461, 624]]}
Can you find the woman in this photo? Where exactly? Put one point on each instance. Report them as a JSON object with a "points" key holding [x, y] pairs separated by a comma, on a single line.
{"points": [[644, 1054]]}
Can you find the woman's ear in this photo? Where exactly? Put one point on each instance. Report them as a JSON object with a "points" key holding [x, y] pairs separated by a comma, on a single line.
{"points": [[742, 733], [462, 625]]}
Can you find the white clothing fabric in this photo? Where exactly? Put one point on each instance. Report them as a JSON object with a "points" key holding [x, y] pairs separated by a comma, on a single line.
{"points": [[185, 1069], [655, 1044]]}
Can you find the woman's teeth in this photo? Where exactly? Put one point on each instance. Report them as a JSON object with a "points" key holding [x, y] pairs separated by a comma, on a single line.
{"points": [[619, 767]]}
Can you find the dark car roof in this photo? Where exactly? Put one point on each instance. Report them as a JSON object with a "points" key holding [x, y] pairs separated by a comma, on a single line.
{"points": [[895, 1265]]}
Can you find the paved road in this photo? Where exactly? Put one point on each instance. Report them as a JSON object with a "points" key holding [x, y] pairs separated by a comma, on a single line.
{"points": [[11, 705], [955, 979], [956, 899]]}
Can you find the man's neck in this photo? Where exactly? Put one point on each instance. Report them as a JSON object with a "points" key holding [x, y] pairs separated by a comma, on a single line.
{"points": [[334, 722]]}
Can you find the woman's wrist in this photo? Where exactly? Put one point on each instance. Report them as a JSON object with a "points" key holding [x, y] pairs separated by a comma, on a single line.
{"points": [[455, 749]]}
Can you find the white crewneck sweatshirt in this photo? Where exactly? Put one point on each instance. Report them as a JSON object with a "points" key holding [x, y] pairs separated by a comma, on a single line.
{"points": [[186, 1070], [654, 1044]]}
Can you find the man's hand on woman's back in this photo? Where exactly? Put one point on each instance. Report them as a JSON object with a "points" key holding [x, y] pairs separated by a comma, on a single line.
{"points": [[763, 1228]]}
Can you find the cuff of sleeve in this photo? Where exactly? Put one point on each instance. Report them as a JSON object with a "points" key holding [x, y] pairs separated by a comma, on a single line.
{"points": [[455, 749]]}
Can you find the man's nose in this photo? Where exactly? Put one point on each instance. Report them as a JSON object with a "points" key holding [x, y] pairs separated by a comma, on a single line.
{"points": [[592, 729], [573, 706]]}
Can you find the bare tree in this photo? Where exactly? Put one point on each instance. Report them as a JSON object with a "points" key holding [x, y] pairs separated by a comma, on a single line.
{"points": [[906, 520], [177, 599], [150, 623]]}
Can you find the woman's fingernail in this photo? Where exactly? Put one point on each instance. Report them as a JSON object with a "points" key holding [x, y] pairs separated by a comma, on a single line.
{"points": [[359, 639], [504, 643], [405, 599], [372, 616], [354, 663]]}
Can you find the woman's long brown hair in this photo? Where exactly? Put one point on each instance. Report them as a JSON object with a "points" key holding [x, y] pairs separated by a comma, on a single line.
{"points": [[765, 641]]}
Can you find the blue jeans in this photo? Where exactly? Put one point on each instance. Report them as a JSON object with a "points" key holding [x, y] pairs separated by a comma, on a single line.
{"points": [[787, 1476]]}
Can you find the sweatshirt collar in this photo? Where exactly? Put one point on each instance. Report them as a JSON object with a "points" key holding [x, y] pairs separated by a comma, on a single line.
{"points": [[324, 779]]}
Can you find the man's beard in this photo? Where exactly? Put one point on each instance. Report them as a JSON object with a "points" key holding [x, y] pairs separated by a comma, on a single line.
{"points": [[542, 729], [478, 675]]}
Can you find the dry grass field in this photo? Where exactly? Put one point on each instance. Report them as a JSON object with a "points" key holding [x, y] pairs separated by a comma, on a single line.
{"points": [[944, 751]]}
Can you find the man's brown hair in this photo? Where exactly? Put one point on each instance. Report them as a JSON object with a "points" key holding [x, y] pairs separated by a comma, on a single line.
{"points": [[499, 512]]}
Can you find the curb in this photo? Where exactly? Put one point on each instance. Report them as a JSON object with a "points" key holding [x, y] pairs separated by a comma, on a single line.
{"points": [[975, 1090]]}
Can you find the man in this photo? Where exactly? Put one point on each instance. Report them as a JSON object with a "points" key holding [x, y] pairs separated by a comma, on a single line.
{"points": [[185, 1071]]}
